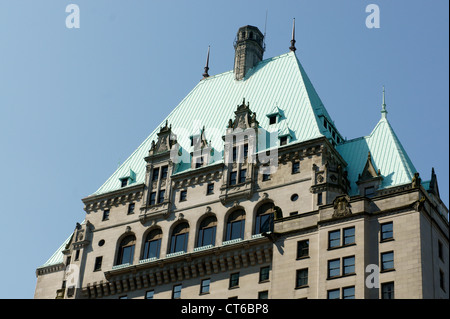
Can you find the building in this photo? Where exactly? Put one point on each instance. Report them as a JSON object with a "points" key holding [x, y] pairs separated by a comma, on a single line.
{"points": [[248, 190]]}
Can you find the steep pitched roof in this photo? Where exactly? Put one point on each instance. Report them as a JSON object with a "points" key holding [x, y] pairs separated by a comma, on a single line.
{"points": [[276, 82], [388, 156]]}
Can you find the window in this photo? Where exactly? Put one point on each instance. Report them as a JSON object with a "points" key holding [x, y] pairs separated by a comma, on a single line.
{"points": [[440, 250], [176, 292], [264, 218], [265, 177], [272, 119], [183, 195], [387, 231], [155, 174], [348, 292], [234, 280], [233, 176], [334, 268], [295, 167], [131, 208], [245, 151], [210, 189], [349, 265], [264, 274], [294, 197], [369, 191], [387, 261], [152, 245], [301, 278], [349, 236], [242, 175], [126, 250], [293, 213], [387, 290], [98, 263], [263, 294], [164, 171], [333, 294], [302, 249], [207, 232], [105, 214], [149, 294], [179, 239], [68, 260], [77, 254], [325, 123], [161, 194], [123, 182], [319, 199], [153, 198], [235, 225], [334, 239], [204, 287], [234, 154], [283, 140], [442, 280]]}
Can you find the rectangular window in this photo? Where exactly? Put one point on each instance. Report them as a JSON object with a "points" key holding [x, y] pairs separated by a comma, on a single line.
{"points": [[210, 189], [334, 238], [131, 208], [283, 140], [387, 231], [387, 290], [234, 280], [293, 213], [369, 191], [333, 294], [263, 294], [149, 294], [319, 199], [264, 274], [204, 287], [245, 151], [176, 292], [164, 171], [77, 254], [68, 260], [302, 249], [265, 177], [301, 278], [105, 214], [334, 268], [123, 182], [153, 198], [183, 195], [234, 154], [272, 119], [295, 167], [349, 265], [161, 194], [233, 176], [348, 292], [242, 175], [155, 174], [349, 235], [387, 261], [440, 250], [98, 263]]}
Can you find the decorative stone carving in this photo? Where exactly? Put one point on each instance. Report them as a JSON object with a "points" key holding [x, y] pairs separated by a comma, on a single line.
{"points": [[341, 206]]}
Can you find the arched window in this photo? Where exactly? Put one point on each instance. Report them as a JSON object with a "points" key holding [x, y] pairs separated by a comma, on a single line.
{"points": [[264, 218], [152, 244], [207, 232], [179, 239], [126, 250], [235, 225]]}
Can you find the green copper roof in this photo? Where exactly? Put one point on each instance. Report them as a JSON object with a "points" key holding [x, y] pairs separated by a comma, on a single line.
{"points": [[58, 256], [276, 82], [388, 155]]}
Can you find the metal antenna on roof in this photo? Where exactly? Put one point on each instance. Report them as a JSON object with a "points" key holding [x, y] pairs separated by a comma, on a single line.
{"points": [[383, 109], [205, 75], [292, 47]]}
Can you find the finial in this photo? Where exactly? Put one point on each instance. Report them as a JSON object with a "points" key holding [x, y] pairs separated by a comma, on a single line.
{"points": [[383, 109], [292, 47], [205, 75]]}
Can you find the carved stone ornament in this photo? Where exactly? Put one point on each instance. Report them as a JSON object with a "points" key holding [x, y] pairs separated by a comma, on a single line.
{"points": [[341, 206]]}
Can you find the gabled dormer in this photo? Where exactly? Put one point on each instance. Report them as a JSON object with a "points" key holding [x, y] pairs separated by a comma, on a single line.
{"points": [[369, 180]]}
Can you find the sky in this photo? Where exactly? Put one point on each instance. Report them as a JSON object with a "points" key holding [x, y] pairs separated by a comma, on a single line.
{"points": [[76, 102]]}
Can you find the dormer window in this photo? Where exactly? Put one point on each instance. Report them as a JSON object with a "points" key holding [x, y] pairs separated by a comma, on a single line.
{"points": [[272, 119], [123, 182], [283, 140]]}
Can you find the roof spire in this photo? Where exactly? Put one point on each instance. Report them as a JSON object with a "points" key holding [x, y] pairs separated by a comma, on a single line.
{"points": [[383, 109], [292, 47], [205, 75]]}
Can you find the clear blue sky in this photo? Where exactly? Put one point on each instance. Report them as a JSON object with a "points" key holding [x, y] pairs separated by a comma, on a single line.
{"points": [[74, 103]]}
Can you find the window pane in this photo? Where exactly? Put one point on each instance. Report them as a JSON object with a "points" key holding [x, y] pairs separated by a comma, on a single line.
{"points": [[349, 236], [264, 274], [303, 248], [334, 239], [149, 294], [205, 286], [176, 292], [153, 198], [237, 230], [334, 268], [233, 176], [349, 265], [387, 261], [152, 249], [242, 175], [127, 254], [387, 231], [234, 280], [263, 294], [206, 236], [164, 171], [333, 294], [387, 290], [180, 242], [302, 277], [348, 293]]}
